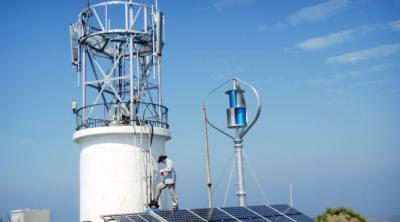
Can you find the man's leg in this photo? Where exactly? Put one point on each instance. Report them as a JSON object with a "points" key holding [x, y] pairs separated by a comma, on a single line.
{"points": [[161, 186], [172, 191]]}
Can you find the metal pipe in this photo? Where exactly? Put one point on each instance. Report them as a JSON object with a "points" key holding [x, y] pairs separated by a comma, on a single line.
{"points": [[159, 83], [84, 86], [131, 78], [241, 192], [209, 184], [126, 17], [291, 195]]}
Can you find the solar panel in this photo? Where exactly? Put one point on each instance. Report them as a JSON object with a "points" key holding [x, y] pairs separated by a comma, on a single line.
{"points": [[213, 214], [142, 217], [242, 214], [261, 213], [135, 218], [286, 209], [123, 219], [148, 218], [302, 218], [280, 218], [264, 211], [178, 216]]}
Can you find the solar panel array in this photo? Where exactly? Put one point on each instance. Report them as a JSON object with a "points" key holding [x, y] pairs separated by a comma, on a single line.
{"points": [[260, 213]]}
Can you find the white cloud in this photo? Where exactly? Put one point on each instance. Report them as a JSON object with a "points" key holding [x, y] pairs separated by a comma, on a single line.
{"points": [[261, 27], [317, 12], [395, 25], [376, 82], [372, 69], [371, 53], [360, 73], [326, 80], [221, 4], [326, 41], [340, 37]]}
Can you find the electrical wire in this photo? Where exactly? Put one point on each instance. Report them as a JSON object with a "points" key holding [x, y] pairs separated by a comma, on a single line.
{"points": [[229, 183], [256, 179], [223, 173]]}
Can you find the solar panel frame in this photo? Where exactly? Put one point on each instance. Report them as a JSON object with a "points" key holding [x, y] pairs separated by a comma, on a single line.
{"points": [[213, 214], [263, 210], [196, 215], [148, 217], [179, 216], [266, 219], [281, 218], [273, 212], [302, 217], [241, 213], [284, 208], [135, 218], [122, 218], [281, 213], [259, 213]]}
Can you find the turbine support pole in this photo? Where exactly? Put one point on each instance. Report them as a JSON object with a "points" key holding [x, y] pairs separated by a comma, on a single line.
{"points": [[241, 192]]}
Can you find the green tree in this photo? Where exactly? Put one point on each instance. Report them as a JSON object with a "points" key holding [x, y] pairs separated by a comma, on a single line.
{"points": [[340, 214]]}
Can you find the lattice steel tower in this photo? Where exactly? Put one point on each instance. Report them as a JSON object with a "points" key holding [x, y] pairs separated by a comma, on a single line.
{"points": [[116, 49]]}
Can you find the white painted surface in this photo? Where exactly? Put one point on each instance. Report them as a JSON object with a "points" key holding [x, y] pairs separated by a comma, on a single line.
{"points": [[112, 169], [30, 215]]}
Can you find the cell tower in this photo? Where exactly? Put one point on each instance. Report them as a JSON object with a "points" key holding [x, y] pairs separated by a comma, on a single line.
{"points": [[122, 127]]}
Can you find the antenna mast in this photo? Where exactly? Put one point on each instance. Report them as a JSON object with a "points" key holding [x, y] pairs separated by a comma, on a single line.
{"points": [[209, 184]]}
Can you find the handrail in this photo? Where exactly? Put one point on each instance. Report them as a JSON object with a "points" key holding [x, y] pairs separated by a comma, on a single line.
{"points": [[110, 114]]}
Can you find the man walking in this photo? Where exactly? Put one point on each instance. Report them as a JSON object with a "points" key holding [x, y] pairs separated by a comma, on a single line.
{"points": [[168, 181]]}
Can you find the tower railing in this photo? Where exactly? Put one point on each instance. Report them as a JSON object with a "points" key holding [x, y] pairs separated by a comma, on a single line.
{"points": [[134, 17], [116, 114]]}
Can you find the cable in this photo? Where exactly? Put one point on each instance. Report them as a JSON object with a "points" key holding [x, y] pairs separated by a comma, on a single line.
{"points": [[223, 172], [256, 179], [150, 163], [141, 160], [229, 183]]}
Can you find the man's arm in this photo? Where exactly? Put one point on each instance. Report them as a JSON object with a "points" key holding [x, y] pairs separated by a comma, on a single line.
{"points": [[168, 166]]}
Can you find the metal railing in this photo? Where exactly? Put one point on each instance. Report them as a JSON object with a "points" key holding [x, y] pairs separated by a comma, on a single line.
{"points": [[118, 114]]}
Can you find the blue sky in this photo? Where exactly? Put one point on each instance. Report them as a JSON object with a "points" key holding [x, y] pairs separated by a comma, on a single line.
{"points": [[328, 73]]}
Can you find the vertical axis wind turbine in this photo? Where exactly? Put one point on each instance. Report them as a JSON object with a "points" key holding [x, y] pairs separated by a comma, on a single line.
{"points": [[237, 119]]}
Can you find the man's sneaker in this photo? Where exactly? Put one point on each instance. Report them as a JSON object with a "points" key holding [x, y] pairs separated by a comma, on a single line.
{"points": [[175, 208], [153, 204]]}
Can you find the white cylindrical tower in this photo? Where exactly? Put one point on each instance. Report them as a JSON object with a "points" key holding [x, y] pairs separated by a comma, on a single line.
{"points": [[122, 125], [117, 169]]}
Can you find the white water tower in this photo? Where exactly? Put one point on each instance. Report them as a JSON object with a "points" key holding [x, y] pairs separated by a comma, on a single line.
{"points": [[121, 122]]}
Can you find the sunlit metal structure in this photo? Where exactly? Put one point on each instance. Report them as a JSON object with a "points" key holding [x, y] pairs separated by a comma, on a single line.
{"points": [[122, 125], [238, 121], [116, 48]]}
